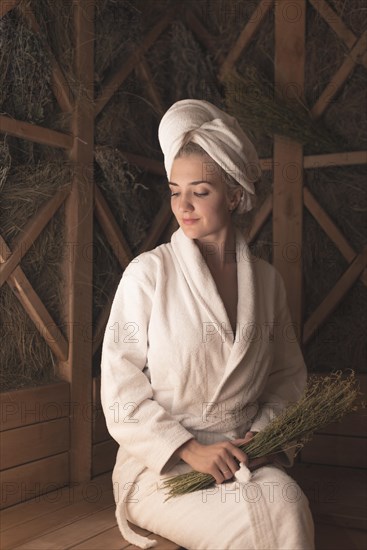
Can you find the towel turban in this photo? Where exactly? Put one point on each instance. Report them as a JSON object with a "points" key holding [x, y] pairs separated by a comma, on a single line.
{"points": [[218, 133]]}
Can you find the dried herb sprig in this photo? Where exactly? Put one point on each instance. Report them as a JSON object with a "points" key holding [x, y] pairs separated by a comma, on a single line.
{"points": [[325, 400]]}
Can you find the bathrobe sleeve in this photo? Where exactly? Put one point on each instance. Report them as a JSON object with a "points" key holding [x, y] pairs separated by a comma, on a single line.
{"points": [[134, 419], [288, 375]]}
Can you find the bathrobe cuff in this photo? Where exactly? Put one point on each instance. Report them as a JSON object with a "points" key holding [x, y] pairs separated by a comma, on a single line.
{"points": [[171, 459]]}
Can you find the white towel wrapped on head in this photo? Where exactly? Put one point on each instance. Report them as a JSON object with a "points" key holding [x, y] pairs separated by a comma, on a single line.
{"points": [[218, 133]]}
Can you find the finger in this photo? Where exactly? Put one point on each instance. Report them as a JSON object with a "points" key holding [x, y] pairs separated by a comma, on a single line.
{"points": [[227, 474], [228, 468], [239, 442], [243, 440], [219, 476], [231, 456], [240, 456]]}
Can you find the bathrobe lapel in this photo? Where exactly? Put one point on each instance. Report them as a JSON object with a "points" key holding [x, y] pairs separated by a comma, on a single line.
{"points": [[200, 280], [203, 287]]}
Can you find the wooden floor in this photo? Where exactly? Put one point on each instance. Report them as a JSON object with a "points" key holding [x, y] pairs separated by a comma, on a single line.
{"points": [[83, 518], [79, 518]]}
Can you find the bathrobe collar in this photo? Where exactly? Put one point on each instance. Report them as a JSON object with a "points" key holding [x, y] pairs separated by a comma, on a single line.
{"points": [[203, 287]]}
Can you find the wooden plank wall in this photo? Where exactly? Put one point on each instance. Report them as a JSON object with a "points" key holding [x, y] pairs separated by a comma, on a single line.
{"points": [[34, 435]]}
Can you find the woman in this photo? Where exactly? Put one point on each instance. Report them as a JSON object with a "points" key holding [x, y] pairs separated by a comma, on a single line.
{"points": [[199, 354]]}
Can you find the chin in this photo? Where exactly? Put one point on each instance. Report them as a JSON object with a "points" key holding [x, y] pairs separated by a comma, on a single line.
{"points": [[192, 232]]}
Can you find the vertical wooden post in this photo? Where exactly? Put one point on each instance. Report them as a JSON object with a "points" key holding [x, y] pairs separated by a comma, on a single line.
{"points": [[79, 241], [290, 17]]}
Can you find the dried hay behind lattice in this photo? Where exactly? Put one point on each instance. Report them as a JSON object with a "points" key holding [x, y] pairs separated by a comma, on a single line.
{"points": [[26, 359], [324, 52], [106, 271], [347, 115], [341, 340], [57, 25], [341, 193], [118, 31], [5, 162], [129, 121], [24, 355], [225, 20], [251, 98], [353, 14], [132, 204], [193, 72], [25, 70]]}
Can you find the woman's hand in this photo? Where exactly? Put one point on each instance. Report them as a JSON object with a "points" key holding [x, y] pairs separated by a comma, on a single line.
{"points": [[256, 462], [221, 460]]}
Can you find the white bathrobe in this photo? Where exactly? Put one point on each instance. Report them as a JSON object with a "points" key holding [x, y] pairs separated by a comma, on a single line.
{"points": [[172, 369]]}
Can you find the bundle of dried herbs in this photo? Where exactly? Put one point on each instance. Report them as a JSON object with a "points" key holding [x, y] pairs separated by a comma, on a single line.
{"points": [[325, 400]]}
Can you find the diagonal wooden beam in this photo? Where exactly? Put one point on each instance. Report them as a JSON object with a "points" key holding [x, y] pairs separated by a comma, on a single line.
{"points": [[32, 132], [336, 23], [327, 224], [260, 219], [335, 296], [35, 308], [60, 85], [113, 83], [159, 224], [31, 231], [201, 32], [112, 231], [332, 231], [245, 37], [339, 78], [7, 5], [143, 72], [102, 321]]}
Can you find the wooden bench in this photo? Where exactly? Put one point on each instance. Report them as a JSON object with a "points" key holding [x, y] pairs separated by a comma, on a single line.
{"points": [[83, 517]]}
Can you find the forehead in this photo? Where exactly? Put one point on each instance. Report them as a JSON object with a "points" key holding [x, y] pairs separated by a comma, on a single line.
{"points": [[195, 168]]}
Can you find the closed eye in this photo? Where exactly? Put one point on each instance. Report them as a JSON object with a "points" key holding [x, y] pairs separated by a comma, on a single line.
{"points": [[196, 194]]}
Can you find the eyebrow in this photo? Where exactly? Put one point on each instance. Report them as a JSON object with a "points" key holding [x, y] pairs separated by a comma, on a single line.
{"points": [[191, 182]]}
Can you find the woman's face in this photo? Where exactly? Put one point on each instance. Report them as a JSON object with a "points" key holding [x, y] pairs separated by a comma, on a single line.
{"points": [[199, 197]]}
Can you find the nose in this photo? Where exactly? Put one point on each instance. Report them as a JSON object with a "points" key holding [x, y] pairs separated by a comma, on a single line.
{"points": [[184, 204]]}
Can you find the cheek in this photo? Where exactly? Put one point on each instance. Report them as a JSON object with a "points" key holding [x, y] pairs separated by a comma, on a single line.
{"points": [[218, 207]]}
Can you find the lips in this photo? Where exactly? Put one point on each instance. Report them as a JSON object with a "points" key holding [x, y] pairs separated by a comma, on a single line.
{"points": [[190, 221]]}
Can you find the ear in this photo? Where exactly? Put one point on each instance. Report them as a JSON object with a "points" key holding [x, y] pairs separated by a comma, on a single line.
{"points": [[234, 197]]}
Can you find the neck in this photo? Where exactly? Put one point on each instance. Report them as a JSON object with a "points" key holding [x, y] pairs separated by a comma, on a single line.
{"points": [[220, 250]]}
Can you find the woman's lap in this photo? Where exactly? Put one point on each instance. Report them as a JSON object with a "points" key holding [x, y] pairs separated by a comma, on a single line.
{"points": [[268, 512]]}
